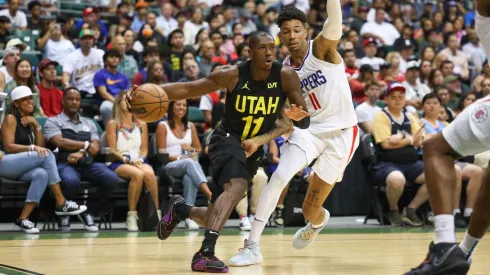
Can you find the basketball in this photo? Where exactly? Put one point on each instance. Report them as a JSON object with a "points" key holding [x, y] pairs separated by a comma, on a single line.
{"points": [[149, 102]]}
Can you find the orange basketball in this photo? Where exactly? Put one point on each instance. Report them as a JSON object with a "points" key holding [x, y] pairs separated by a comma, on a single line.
{"points": [[149, 102]]}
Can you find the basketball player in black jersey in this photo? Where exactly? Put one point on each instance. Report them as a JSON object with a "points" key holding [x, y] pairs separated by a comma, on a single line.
{"points": [[254, 115]]}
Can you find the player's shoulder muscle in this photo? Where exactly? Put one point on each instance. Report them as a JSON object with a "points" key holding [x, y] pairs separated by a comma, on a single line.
{"points": [[226, 76]]}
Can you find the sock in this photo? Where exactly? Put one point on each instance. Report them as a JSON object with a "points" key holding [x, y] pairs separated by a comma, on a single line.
{"points": [[456, 211], [257, 229], [210, 238], [468, 245], [468, 212], [280, 206], [183, 211], [444, 228], [316, 226]]}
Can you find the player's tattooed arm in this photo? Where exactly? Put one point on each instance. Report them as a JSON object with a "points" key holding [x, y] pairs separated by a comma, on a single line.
{"points": [[224, 77], [298, 111], [283, 125]]}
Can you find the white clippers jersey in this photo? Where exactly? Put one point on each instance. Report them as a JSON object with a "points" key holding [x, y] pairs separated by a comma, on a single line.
{"points": [[327, 93]]}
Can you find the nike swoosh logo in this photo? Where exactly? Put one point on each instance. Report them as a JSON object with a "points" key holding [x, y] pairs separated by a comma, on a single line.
{"points": [[112, 82], [212, 232], [440, 260]]}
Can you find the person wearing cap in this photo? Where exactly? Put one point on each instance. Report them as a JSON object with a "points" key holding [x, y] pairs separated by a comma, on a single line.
{"points": [[50, 96], [415, 89], [455, 55], [397, 134], [456, 90], [80, 66], [17, 18], [193, 26], [165, 21], [90, 17], [368, 109], [27, 159], [78, 142], [141, 8], [54, 44], [109, 82], [401, 42], [4, 30], [370, 50], [10, 57], [16, 42], [383, 31], [35, 22]]}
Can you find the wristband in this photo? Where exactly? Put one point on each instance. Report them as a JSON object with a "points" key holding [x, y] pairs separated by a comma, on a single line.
{"points": [[125, 160], [31, 148], [87, 144]]}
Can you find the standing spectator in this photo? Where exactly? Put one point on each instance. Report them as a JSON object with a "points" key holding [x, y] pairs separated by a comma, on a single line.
{"points": [[128, 137], [80, 66], [55, 46], [128, 65], [397, 134], [35, 22], [109, 82], [4, 30], [141, 8], [368, 109], [50, 96], [370, 49], [29, 160], [192, 26], [456, 56], [23, 76], [385, 32], [77, 139], [179, 138], [165, 21], [10, 57], [18, 19], [415, 89]]}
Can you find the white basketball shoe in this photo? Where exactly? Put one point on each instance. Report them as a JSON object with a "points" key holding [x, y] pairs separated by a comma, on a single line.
{"points": [[248, 255], [306, 235]]}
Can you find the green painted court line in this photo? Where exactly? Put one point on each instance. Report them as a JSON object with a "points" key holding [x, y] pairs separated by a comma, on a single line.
{"points": [[10, 270], [4, 236]]}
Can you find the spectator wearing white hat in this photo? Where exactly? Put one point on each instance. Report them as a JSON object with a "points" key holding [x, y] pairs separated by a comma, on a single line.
{"points": [[10, 57], [415, 89], [17, 18]]}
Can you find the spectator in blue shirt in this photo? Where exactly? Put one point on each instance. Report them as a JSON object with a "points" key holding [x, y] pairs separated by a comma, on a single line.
{"points": [[108, 82], [91, 17]]}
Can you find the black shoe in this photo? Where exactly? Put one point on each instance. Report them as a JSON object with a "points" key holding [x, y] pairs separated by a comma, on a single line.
{"points": [[279, 217], [410, 217], [170, 220], [443, 259], [459, 221], [395, 218], [27, 226], [64, 223], [207, 262], [69, 208], [88, 222]]}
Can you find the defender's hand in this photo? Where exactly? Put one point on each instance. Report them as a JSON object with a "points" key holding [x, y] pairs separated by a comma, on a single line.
{"points": [[296, 113], [250, 146]]}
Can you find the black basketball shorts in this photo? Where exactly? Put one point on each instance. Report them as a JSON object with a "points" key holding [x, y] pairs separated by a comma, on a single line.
{"points": [[228, 161]]}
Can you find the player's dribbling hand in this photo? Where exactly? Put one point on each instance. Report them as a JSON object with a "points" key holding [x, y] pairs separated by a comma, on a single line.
{"points": [[296, 113], [250, 146]]}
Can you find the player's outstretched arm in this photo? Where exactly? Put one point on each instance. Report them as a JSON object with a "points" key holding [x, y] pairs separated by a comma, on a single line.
{"points": [[325, 44], [221, 78], [298, 111]]}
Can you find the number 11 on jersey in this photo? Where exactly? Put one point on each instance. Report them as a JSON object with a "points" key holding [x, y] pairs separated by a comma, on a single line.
{"points": [[248, 124], [314, 101]]}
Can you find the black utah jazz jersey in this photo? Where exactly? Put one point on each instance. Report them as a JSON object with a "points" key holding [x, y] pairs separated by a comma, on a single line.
{"points": [[253, 107]]}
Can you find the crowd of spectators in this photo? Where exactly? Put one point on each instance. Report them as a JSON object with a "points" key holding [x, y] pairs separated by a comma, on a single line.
{"points": [[413, 66]]}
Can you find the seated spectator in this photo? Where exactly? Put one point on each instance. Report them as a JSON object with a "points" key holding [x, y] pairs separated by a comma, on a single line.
{"points": [[128, 138], [24, 77], [351, 68], [435, 79], [464, 170], [464, 102], [383, 31], [109, 82], [485, 73], [128, 65], [150, 54], [155, 74], [442, 93], [485, 88], [456, 56], [17, 18], [35, 22], [55, 46], [416, 90], [366, 75], [10, 57], [129, 37], [4, 30], [208, 101], [80, 66], [141, 8], [456, 90], [191, 73], [29, 160], [397, 135], [77, 140], [206, 57], [368, 109], [165, 21], [90, 17], [220, 56], [370, 50], [395, 61], [193, 25], [50, 96], [179, 138]]}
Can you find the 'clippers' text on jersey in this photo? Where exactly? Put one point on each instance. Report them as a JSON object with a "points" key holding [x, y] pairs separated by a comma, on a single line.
{"points": [[312, 81]]}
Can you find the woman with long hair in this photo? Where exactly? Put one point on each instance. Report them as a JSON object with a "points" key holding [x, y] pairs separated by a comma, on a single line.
{"points": [[155, 74], [394, 59], [128, 139], [24, 77], [465, 101], [201, 36], [435, 78], [27, 159], [179, 138], [429, 54]]}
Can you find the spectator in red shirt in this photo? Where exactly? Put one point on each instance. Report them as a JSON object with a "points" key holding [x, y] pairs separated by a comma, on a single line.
{"points": [[50, 96], [351, 69]]}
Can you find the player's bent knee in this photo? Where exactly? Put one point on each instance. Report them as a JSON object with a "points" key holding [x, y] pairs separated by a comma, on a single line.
{"points": [[396, 180]]}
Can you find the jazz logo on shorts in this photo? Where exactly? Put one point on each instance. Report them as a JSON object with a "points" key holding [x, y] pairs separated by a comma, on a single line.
{"points": [[480, 114]]}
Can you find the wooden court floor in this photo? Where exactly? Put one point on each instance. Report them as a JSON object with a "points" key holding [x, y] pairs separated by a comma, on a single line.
{"points": [[358, 251]]}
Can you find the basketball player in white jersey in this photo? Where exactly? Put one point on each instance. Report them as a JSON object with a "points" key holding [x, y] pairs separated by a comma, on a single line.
{"points": [[468, 134], [331, 138]]}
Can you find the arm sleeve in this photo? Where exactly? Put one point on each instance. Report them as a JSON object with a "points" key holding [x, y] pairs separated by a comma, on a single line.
{"points": [[332, 29], [51, 129], [93, 130]]}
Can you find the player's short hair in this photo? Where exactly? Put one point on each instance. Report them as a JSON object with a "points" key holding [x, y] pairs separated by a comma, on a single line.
{"points": [[291, 13], [254, 38]]}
